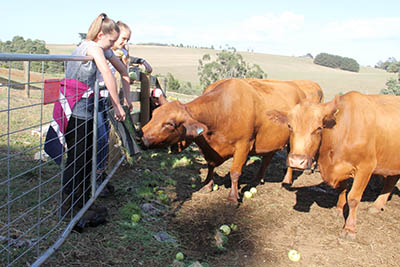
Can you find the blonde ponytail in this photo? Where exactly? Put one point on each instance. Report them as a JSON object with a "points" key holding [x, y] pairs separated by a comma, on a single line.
{"points": [[101, 24]]}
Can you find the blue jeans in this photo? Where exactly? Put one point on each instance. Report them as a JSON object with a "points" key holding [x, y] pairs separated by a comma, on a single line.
{"points": [[103, 131]]}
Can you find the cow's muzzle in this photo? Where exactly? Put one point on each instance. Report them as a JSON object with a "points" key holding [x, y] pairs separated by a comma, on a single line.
{"points": [[139, 133], [139, 139], [144, 144], [301, 162]]}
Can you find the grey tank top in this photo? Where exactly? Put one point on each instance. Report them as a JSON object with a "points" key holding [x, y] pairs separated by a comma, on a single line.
{"points": [[85, 72]]}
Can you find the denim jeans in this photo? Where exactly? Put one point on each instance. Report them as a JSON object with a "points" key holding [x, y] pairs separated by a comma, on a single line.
{"points": [[103, 131]]}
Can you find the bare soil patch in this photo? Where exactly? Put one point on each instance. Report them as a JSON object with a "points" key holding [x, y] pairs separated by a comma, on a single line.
{"points": [[277, 220]]}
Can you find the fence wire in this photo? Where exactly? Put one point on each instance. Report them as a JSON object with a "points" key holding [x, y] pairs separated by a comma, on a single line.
{"points": [[31, 224]]}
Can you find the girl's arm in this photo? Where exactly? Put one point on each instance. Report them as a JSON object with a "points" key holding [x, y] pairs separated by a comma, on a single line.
{"points": [[109, 80], [123, 70]]}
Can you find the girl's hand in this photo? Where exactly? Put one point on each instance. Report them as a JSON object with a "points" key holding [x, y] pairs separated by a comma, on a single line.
{"points": [[119, 113], [128, 103]]}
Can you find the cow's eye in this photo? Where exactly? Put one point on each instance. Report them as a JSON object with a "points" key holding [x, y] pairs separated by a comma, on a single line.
{"points": [[318, 130], [169, 125], [290, 127]]}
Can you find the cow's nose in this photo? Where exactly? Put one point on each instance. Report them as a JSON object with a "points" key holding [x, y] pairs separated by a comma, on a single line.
{"points": [[144, 144], [139, 133], [297, 161]]}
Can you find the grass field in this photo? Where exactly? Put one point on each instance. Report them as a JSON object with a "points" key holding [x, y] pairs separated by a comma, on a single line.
{"points": [[269, 225], [183, 63]]}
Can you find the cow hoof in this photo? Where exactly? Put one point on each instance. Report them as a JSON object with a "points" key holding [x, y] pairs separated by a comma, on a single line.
{"points": [[308, 172], [338, 212], [347, 235], [374, 210], [287, 181], [286, 185], [233, 200], [205, 190]]}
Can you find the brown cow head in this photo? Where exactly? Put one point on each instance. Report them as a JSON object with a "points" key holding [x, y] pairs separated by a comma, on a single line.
{"points": [[306, 122], [170, 124]]}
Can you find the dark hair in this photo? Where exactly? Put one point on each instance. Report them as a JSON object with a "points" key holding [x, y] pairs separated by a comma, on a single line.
{"points": [[124, 26], [101, 24]]}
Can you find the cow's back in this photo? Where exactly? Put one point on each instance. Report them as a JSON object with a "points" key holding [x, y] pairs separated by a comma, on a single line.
{"points": [[235, 110], [311, 89], [247, 95], [305, 88]]}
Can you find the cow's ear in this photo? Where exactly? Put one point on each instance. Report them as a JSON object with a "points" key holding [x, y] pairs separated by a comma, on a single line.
{"points": [[277, 116], [331, 110], [194, 128]]}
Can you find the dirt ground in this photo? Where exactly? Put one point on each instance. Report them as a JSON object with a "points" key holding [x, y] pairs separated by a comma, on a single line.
{"points": [[277, 220], [273, 222]]}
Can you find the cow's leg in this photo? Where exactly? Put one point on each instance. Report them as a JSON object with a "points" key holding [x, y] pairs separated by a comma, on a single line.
{"points": [[239, 159], [354, 197], [388, 186], [342, 189], [263, 167], [209, 181], [288, 179]]}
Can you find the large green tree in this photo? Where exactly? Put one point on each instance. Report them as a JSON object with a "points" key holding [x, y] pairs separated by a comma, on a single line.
{"points": [[228, 64], [385, 64]]}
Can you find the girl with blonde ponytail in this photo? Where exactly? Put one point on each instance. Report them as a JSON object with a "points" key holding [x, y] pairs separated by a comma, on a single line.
{"points": [[81, 78]]}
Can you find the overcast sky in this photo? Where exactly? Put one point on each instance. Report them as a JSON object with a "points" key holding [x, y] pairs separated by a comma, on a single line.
{"points": [[367, 31]]}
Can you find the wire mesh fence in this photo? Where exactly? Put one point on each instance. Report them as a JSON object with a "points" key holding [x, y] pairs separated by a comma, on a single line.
{"points": [[33, 222]]}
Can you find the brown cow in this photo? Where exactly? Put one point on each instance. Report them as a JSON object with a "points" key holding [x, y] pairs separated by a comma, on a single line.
{"points": [[355, 135], [228, 121]]}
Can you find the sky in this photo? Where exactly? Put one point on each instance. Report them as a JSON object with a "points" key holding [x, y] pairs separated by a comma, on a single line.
{"points": [[367, 31]]}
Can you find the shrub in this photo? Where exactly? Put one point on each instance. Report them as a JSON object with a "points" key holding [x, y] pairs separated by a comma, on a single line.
{"points": [[394, 67], [181, 87], [392, 87]]}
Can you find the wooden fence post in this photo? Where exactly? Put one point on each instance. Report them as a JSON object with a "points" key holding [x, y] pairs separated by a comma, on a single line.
{"points": [[165, 85], [144, 99]]}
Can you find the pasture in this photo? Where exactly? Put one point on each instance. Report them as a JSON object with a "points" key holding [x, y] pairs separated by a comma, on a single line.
{"points": [[270, 224], [183, 63]]}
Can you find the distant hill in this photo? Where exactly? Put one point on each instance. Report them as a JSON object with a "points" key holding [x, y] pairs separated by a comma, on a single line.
{"points": [[183, 63]]}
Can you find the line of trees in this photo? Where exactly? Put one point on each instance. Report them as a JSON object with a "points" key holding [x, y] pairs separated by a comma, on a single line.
{"points": [[19, 45], [337, 62]]}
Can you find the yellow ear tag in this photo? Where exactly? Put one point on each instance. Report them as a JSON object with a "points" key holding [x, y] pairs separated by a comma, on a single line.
{"points": [[336, 112]]}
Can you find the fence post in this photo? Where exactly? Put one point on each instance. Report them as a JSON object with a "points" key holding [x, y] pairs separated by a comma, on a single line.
{"points": [[27, 74], [144, 99], [165, 85]]}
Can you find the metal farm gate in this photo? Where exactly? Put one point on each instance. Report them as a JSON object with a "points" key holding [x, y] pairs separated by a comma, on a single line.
{"points": [[31, 225]]}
